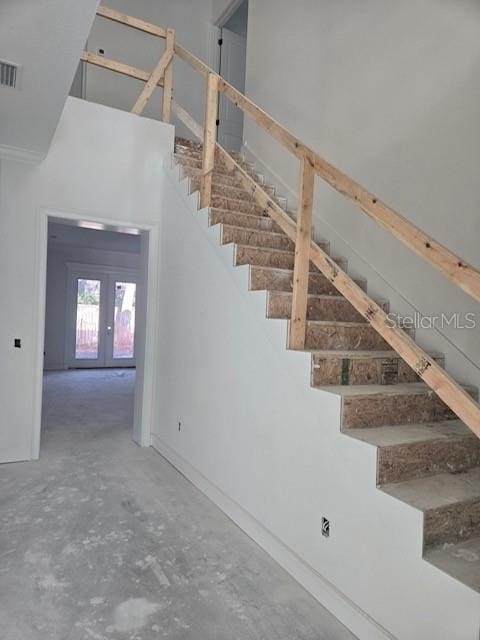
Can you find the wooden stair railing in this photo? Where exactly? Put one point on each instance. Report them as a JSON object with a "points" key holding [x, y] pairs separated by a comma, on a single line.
{"points": [[450, 265]]}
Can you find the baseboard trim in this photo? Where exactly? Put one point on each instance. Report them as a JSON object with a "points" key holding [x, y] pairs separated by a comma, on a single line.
{"points": [[344, 609]]}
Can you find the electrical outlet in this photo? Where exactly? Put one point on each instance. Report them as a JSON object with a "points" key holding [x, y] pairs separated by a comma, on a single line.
{"points": [[17, 343], [325, 527]]}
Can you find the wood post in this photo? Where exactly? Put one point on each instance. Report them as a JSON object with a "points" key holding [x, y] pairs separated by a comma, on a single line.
{"points": [[209, 140], [298, 323], [168, 79]]}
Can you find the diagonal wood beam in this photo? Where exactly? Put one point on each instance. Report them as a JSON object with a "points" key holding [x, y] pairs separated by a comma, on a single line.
{"points": [[152, 82], [118, 67], [446, 388]]}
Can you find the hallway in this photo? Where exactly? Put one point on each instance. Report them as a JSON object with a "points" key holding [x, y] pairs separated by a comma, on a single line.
{"points": [[103, 540]]}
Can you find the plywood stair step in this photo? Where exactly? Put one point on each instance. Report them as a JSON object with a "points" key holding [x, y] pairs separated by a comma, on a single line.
{"points": [[221, 173], [426, 457], [362, 368], [264, 256], [256, 238], [237, 193], [319, 307], [450, 504], [379, 405], [344, 336], [244, 220], [418, 450], [194, 160], [241, 206], [277, 279]]}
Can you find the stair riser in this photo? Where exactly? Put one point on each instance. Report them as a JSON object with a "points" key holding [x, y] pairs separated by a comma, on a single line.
{"points": [[359, 371], [223, 175], [218, 178], [343, 338], [195, 160], [394, 409], [228, 192], [243, 220], [256, 238], [242, 206], [255, 256], [264, 279], [280, 306], [459, 521], [421, 459], [188, 162]]}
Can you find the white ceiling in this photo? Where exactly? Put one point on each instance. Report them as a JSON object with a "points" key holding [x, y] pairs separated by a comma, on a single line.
{"points": [[66, 236], [46, 38]]}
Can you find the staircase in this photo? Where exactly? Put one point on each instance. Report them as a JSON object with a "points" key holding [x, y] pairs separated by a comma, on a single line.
{"points": [[426, 457]]}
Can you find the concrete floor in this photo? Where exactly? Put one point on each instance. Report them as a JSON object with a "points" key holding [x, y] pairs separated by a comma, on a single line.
{"points": [[102, 540]]}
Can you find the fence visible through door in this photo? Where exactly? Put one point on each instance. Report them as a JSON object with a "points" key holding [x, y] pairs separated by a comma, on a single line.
{"points": [[101, 317]]}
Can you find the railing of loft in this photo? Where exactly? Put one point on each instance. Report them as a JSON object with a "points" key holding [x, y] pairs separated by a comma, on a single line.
{"points": [[307, 251]]}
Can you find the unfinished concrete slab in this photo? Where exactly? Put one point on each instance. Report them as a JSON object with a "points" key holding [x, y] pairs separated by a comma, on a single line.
{"points": [[103, 540]]}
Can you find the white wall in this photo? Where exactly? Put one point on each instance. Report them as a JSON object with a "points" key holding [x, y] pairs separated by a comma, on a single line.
{"points": [[267, 447], [388, 92], [103, 164], [56, 292], [190, 19], [45, 38]]}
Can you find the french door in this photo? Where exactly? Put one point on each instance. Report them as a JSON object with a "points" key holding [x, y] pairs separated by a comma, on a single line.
{"points": [[101, 318]]}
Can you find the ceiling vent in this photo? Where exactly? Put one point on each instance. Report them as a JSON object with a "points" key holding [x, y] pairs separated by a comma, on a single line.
{"points": [[9, 74]]}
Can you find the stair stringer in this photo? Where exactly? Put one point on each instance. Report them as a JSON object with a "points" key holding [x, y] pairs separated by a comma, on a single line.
{"points": [[267, 448]]}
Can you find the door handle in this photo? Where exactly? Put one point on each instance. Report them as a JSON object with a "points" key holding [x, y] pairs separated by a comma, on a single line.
{"points": [[109, 329]]}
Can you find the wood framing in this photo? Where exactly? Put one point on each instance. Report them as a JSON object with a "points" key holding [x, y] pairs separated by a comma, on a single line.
{"points": [[449, 264], [448, 390], [130, 21], [298, 323], [445, 261], [168, 79], [194, 62], [155, 76], [118, 67], [209, 138]]}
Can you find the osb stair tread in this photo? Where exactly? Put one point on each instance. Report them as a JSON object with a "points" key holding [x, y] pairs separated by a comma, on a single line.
{"points": [[460, 560], [360, 355], [241, 213], [278, 234], [440, 490], [290, 271], [371, 390], [289, 294], [392, 436], [336, 323]]}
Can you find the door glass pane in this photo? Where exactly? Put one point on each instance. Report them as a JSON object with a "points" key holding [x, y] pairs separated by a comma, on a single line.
{"points": [[88, 316], [124, 320]]}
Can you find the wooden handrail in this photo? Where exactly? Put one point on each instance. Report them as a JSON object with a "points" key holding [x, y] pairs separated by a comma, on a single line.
{"points": [[428, 370], [452, 266], [130, 21], [448, 263], [441, 258]]}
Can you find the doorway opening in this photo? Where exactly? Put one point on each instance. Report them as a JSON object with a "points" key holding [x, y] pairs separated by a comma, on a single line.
{"points": [[232, 62], [95, 330]]}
